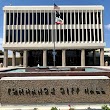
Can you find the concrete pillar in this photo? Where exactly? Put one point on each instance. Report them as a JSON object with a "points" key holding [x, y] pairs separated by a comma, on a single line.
{"points": [[94, 57], [82, 57], [25, 60], [44, 57], [14, 58], [63, 58], [102, 57], [5, 63]]}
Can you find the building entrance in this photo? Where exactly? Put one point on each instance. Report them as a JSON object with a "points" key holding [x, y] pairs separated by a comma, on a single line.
{"points": [[35, 57]]}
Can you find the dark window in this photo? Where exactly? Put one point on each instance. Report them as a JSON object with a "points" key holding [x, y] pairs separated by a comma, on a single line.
{"points": [[69, 35], [11, 21], [96, 39], [68, 17], [30, 35], [95, 17], [26, 18], [61, 34], [72, 34], [50, 18], [26, 35], [92, 34], [50, 36], [42, 35], [80, 34], [57, 35], [7, 18], [87, 17], [65, 21], [91, 17], [76, 34], [14, 35], [15, 18], [88, 34], [46, 35], [99, 17], [22, 35], [22, 18], [11, 35], [42, 18], [38, 35], [84, 19], [30, 18], [19, 19], [84, 34], [38, 18], [100, 35], [34, 35], [76, 17], [73, 18], [7, 35], [46, 18], [65, 35], [18, 35], [34, 18], [80, 18]]}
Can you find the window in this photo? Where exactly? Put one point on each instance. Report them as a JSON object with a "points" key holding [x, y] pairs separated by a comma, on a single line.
{"points": [[68, 17], [22, 18], [11, 35], [38, 35], [61, 34], [65, 35], [19, 18], [87, 17], [30, 35], [46, 18], [80, 18], [65, 21], [14, 35], [69, 35], [34, 35], [26, 18], [72, 34], [46, 35], [84, 34], [92, 34], [96, 39], [38, 18], [88, 34], [91, 17], [76, 17], [34, 18], [50, 18], [22, 35], [30, 18], [95, 17], [7, 35], [42, 18], [99, 18], [76, 34], [11, 21], [100, 37], [57, 35], [80, 34], [18, 35], [26, 35], [42, 35], [73, 18], [50, 39], [15, 18], [84, 19], [7, 18]]}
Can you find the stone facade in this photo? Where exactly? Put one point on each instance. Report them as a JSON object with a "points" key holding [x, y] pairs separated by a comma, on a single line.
{"points": [[55, 91]]}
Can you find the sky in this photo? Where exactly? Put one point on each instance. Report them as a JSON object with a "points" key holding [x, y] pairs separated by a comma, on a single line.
{"points": [[105, 3]]}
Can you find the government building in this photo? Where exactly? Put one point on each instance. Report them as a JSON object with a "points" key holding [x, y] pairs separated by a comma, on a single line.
{"points": [[31, 31]]}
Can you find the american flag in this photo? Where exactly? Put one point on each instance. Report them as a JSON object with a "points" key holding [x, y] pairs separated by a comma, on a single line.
{"points": [[56, 7]]}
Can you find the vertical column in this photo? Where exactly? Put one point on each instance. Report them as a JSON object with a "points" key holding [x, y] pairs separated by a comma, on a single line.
{"points": [[78, 28], [90, 24], [5, 58], [14, 59], [86, 26], [97, 27], [67, 23], [25, 60], [82, 57], [94, 24], [63, 57], [4, 29], [74, 27], [94, 57], [102, 57], [82, 28], [102, 30], [44, 57]]}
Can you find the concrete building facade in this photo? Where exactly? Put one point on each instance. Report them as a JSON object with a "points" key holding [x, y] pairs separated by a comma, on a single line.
{"points": [[31, 31]]}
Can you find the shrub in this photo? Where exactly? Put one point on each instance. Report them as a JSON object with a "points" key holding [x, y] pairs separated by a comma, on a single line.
{"points": [[54, 108], [105, 107]]}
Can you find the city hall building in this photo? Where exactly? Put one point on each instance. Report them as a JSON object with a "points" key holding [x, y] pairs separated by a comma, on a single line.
{"points": [[31, 31]]}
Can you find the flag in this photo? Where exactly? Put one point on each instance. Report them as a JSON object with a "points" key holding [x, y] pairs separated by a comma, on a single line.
{"points": [[58, 19], [56, 7]]}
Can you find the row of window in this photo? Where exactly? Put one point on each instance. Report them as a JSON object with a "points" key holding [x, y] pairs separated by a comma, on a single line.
{"points": [[66, 35], [46, 18]]}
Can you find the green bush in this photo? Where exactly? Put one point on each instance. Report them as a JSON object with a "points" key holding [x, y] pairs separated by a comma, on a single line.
{"points": [[54, 108], [105, 107]]}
